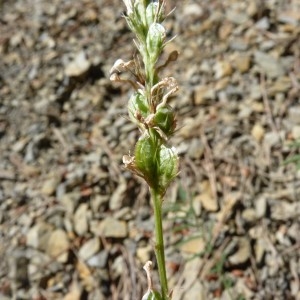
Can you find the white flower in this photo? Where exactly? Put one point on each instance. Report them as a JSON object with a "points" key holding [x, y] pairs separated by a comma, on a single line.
{"points": [[129, 6]]}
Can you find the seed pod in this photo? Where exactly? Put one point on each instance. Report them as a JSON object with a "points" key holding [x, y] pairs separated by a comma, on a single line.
{"points": [[137, 106], [168, 167], [146, 159], [157, 163], [165, 119]]}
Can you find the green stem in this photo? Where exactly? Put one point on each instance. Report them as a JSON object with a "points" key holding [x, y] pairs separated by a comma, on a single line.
{"points": [[159, 243]]}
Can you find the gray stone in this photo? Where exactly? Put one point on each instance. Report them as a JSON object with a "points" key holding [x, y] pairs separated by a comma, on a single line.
{"points": [[110, 227], [269, 65], [243, 252], [294, 114], [81, 218], [196, 291], [50, 185], [70, 201], [79, 66], [261, 207], [58, 245], [249, 215], [89, 248], [37, 236], [236, 17], [263, 23], [99, 260], [116, 200], [296, 132]]}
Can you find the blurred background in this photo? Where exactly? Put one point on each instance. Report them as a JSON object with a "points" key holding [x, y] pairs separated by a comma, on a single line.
{"points": [[75, 225]]}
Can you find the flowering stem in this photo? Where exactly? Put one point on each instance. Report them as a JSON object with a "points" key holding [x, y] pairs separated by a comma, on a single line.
{"points": [[159, 243], [154, 159]]}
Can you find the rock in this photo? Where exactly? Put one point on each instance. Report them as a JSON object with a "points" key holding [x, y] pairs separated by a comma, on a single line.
{"points": [[296, 132], [258, 132], [116, 200], [242, 63], [99, 260], [191, 274], [236, 17], [282, 237], [144, 253], [79, 66], [268, 64], [222, 69], [283, 211], [89, 248], [294, 114], [207, 199], [118, 267], [196, 149], [81, 218], [289, 17], [196, 291], [271, 139], [261, 207], [70, 201], [18, 268], [249, 215], [74, 293], [194, 245], [242, 254], [38, 236], [225, 30], [260, 249], [58, 245], [110, 228], [263, 23], [239, 44], [281, 85], [293, 231], [192, 9], [203, 94], [50, 185], [99, 202]]}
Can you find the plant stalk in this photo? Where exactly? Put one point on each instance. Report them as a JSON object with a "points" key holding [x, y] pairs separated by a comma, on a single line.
{"points": [[159, 243]]}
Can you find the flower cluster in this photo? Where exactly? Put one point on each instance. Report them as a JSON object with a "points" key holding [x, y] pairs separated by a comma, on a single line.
{"points": [[154, 160]]}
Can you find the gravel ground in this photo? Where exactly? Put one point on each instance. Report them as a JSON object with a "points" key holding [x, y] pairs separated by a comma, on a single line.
{"points": [[75, 225]]}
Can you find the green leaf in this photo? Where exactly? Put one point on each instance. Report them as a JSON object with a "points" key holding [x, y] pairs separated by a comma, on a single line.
{"points": [[293, 159]]}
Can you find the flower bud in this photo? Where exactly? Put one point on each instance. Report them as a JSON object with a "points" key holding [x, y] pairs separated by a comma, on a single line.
{"points": [[151, 12], [155, 40]]}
